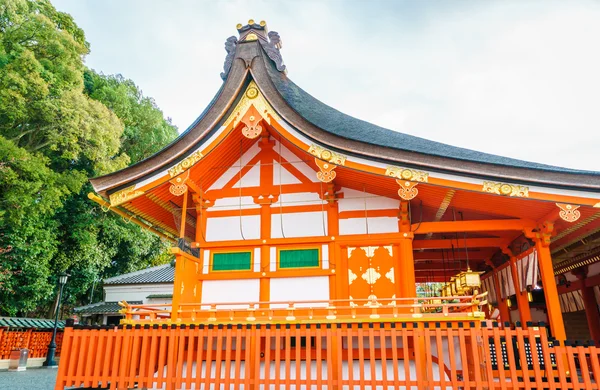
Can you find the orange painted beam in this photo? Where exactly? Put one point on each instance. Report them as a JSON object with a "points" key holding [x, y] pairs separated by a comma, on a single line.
{"points": [[470, 243], [472, 226]]}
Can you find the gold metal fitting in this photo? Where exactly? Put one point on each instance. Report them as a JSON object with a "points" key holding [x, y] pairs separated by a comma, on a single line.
{"points": [[251, 21]]}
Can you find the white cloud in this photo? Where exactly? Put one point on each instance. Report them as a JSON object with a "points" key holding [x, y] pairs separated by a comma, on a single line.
{"points": [[518, 79]]}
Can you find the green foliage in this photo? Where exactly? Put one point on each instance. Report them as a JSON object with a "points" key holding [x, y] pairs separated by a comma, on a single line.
{"points": [[60, 124], [146, 131]]}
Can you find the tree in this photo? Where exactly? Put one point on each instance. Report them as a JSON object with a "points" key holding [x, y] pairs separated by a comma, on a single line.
{"points": [[146, 131], [54, 134]]}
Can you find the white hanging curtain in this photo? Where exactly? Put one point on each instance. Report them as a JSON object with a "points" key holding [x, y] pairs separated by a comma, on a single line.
{"points": [[488, 285], [571, 301], [505, 280], [527, 270]]}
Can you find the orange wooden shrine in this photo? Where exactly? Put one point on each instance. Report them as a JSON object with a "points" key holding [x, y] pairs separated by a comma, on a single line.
{"points": [[301, 234]]}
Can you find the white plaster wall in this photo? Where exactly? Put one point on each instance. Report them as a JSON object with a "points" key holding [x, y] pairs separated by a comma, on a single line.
{"points": [[235, 168], [135, 292], [310, 288], [286, 176], [375, 225], [299, 224], [250, 178], [355, 200], [224, 291], [298, 199], [325, 256], [228, 228], [235, 203], [290, 157]]}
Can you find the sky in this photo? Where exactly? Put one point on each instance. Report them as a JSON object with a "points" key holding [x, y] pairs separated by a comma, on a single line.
{"points": [[516, 78]]}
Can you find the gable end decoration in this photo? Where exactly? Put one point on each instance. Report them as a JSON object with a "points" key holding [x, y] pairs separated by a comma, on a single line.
{"points": [[505, 189]]}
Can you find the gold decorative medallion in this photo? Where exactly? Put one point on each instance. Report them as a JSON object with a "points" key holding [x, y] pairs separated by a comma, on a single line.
{"points": [[251, 37], [185, 164], [407, 189], [326, 173], [505, 189], [568, 212], [252, 92], [124, 195], [178, 186], [327, 155], [407, 174]]}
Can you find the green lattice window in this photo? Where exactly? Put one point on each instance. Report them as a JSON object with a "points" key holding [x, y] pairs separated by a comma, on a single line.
{"points": [[232, 261], [298, 258]]}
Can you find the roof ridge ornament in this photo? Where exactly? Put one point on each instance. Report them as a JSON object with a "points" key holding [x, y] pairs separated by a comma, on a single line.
{"points": [[270, 41], [230, 45], [272, 49]]}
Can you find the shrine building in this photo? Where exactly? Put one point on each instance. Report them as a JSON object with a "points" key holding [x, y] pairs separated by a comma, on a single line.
{"points": [[314, 249]]}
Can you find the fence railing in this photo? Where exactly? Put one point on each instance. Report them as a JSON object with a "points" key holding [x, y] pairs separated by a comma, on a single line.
{"points": [[388, 355], [35, 340], [341, 310]]}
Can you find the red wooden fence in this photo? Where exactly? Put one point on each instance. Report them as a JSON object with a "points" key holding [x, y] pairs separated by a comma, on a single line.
{"points": [[35, 340], [324, 356]]}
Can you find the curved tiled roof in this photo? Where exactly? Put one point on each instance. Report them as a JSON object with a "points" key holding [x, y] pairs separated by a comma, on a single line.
{"points": [[336, 122], [160, 274]]}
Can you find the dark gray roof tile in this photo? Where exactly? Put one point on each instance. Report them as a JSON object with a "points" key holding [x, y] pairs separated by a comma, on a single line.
{"points": [[102, 307], [160, 274]]}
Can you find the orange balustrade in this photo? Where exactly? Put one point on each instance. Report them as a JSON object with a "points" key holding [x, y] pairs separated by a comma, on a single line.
{"points": [[342, 310], [388, 355]]}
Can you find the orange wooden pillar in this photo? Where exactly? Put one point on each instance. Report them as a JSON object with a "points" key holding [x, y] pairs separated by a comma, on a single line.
{"points": [[406, 271], [201, 222], [542, 245], [178, 282], [591, 306], [266, 181], [339, 269], [265, 252]]}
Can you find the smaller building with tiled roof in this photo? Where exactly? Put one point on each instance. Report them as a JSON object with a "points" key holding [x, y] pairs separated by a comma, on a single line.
{"points": [[29, 323], [151, 285]]}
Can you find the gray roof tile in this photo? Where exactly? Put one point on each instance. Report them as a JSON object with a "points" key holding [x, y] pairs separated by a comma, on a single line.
{"points": [[340, 124], [160, 274], [102, 307], [39, 323]]}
